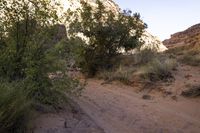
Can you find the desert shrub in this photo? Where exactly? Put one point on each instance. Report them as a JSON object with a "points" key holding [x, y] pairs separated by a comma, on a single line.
{"points": [[145, 56], [124, 60], [176, 50], [192, 59], [122, 74], [147, 64], [15, 107], [159, 70], [193, 91], [106, 32]]}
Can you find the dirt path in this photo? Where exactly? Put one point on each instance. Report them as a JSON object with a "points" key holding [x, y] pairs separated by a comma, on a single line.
{"points": [[185, 76], [70, 120], [118, 109]]}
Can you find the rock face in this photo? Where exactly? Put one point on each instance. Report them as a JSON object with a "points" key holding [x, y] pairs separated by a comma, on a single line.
{"points": [[190, 36], [74, 4], [150, 41]]}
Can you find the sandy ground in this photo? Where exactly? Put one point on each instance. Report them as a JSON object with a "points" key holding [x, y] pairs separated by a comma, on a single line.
{"points": [[184, 76], [116, 108], [65, 121]]}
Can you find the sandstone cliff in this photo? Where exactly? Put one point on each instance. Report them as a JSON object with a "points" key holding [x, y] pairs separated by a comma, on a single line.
{"points": [[152, 42], [190, 36]]}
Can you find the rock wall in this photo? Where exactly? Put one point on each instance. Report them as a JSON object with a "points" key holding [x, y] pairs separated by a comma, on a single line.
{"points": [[152, 42], [190, 36]]}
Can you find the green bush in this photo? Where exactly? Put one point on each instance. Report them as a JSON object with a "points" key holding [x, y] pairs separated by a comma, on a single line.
{"points": [[15, 107], [106, 32], [29, 55]]}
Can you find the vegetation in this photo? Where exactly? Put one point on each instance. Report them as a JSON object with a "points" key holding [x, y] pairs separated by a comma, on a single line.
{"points": [[107, 33], [146, 65], [193, 91], [187, 54], [191, 57], [29, 56], [145, 56], [159, 69], [154, 66], [34, 61], [122, 74]]}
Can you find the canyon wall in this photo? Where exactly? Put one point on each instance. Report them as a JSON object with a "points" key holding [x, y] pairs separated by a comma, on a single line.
{"points": [[190, 36]]}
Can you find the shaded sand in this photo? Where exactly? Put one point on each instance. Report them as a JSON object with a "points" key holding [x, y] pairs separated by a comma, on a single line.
{"points": [[65, 122]]}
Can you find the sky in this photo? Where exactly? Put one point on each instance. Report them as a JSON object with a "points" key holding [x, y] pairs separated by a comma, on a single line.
{"points": [[165, 17]]}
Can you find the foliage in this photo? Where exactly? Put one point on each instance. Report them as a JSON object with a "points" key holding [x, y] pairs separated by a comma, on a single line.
{"points": [[143, 66], [106, 33], [159, 69], [14, 107], [29, 55], [145, 56], [122, 74]]}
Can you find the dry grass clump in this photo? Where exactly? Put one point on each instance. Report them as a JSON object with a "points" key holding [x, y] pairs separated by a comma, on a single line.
{"points": [[188, 54], [159, 69], [122, 74], [156, 66], [191, 57], [146, 64], [15, 108], [193, 91], [145, 56]]}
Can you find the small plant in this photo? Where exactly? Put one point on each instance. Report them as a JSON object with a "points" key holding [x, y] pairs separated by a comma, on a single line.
{"points": [[190, 59], [121, 74], [193, 91], [145, 56], [147, 63], [159, 70]]}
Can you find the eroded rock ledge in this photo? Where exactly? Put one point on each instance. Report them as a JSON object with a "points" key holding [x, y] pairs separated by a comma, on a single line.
{"points": [[190, 36]]}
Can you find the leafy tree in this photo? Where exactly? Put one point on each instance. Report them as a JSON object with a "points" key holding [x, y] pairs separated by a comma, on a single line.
{"points": [[22, 23], [107, 34], [27, 59]]}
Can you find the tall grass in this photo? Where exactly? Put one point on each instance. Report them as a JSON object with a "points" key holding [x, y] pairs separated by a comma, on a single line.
{"points": [[15, 107]]}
